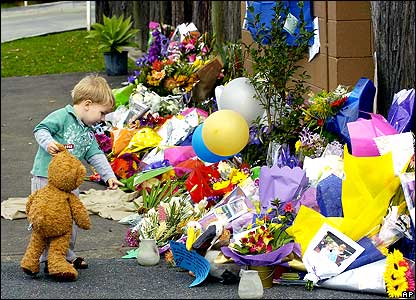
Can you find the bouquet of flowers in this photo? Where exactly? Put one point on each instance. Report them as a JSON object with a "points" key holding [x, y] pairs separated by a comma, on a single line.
{"points": [[169, 67], [310, 144], [167, 221], [265, 242], [398, 275], [214, 181], [320, 107], [268, 234]]}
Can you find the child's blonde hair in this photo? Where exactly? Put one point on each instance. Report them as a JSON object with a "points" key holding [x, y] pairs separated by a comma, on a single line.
{"points": [[94, 88]]}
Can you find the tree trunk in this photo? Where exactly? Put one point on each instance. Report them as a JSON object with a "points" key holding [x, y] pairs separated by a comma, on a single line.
{"points": [[232, 25], [201, 15], [141, 22], [101, 8], [110, 8], [394, 40], [217, 13]]}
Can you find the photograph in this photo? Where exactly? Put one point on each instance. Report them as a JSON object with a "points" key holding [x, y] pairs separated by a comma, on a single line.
{"points": [[330, 252], [238, 207], [223, 212]]}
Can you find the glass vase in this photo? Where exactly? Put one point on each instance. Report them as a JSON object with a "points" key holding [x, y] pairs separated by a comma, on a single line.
{"points": [[250, 286], [148, 253]]}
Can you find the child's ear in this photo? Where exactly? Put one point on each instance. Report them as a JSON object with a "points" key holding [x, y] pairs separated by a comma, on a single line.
{"points": [[87, 103]]}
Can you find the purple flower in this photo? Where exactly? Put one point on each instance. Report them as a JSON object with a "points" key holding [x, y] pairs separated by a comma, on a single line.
{"points": [[104, 142], [142, 61], [254, 137], [132, 238]]}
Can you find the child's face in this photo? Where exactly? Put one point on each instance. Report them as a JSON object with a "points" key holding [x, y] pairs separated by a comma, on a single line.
{"points": [[93, 113]]}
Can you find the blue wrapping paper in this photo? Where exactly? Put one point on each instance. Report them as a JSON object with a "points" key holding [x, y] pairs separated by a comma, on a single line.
{"points": [[371, 254], [328, 196]]}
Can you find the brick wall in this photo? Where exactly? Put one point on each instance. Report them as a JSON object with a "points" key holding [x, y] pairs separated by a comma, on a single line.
{"points": [[346, 37]]}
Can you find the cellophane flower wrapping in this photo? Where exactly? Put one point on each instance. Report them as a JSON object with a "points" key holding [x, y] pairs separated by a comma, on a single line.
{"points": [[401, 114], [267, 259], [282, 183]]}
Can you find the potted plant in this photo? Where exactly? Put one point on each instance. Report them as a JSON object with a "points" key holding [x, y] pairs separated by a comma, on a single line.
{"points": [[113, 35]]}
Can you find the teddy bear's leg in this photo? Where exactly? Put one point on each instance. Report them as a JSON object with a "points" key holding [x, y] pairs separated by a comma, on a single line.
{"points": [[58, 266], [30, 261]]}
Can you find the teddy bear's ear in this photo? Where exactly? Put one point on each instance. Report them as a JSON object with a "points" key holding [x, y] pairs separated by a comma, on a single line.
{"points": [[61, 147]]}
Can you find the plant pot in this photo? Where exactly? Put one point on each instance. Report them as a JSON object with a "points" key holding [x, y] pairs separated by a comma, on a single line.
{"points": [[116, 63], [265, 274]]}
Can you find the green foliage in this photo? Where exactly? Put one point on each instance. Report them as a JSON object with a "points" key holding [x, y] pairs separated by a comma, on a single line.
{"points": [[160, 192], [275, 66], [114, 34], [65, 52], [232, 57]]}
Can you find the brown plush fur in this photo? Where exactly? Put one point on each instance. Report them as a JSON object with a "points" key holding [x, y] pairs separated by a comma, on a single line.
{"points": [[51, 210]]}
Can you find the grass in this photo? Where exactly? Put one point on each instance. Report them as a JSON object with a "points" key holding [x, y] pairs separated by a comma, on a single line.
{"points": [[65, 52]]}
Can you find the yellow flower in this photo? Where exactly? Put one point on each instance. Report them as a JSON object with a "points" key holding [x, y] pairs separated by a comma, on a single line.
{"points": [[396, 288], [238, 177], [220, 185], [155, 78], [274, 226], [298, 145], [395, 275], [197, 63]]}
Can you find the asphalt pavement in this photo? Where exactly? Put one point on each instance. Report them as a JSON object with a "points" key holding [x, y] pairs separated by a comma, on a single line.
{"points": [[39, 19], [24, 102]]}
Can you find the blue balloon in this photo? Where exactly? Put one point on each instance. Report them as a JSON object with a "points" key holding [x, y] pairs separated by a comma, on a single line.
{"points": [[201, 150]]}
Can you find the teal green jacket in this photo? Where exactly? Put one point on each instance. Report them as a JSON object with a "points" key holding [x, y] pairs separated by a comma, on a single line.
{"points": [[65, 128]]}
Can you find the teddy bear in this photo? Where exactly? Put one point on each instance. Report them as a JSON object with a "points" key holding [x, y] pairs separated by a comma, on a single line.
{"points": [[51, 211]]}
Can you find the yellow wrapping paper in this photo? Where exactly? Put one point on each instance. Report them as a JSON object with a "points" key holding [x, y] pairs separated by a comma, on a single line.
{"points": [[142, 139], [369, 185], [367, 189]]}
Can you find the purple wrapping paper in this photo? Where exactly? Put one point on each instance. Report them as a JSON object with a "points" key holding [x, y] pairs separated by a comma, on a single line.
{"points": [[268, 259], [308, 199], [401, 113], [283, 183]]}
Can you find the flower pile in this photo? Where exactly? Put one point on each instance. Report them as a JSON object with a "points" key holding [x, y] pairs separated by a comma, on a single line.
{"points": [[169, 67]]}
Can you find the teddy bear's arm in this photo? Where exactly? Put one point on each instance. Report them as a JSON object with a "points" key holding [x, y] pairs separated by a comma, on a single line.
{"points": [[79, 212], [30, 201]]}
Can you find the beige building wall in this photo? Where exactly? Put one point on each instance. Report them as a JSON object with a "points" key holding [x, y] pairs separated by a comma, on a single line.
{"points": [[346, 38]]}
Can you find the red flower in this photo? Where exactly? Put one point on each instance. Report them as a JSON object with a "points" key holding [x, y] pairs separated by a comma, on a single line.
{"points": [[95, 177], [288, 207], [157, 65], [320, 122], [339, 102]]}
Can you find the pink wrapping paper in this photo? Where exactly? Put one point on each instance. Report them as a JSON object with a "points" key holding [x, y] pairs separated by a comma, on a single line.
{"points": [[363, 131]]}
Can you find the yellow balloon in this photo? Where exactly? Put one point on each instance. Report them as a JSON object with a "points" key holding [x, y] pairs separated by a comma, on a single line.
{"points": [[225, 132]]}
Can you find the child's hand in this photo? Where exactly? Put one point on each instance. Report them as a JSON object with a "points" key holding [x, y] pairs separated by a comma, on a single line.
{"points": [[113, 183], [53, 149]]}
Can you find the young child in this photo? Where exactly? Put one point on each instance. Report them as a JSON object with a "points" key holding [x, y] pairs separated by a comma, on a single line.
{"points": [[72, 126]]}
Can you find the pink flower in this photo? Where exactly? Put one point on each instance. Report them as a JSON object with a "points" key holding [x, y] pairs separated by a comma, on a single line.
{"points": [[189, 47], [153, 25], [191, 58]]}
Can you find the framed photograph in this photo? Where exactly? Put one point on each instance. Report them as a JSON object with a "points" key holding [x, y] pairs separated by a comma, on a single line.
{"points": [[330, 252], [238, 207], [223, 212]]}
